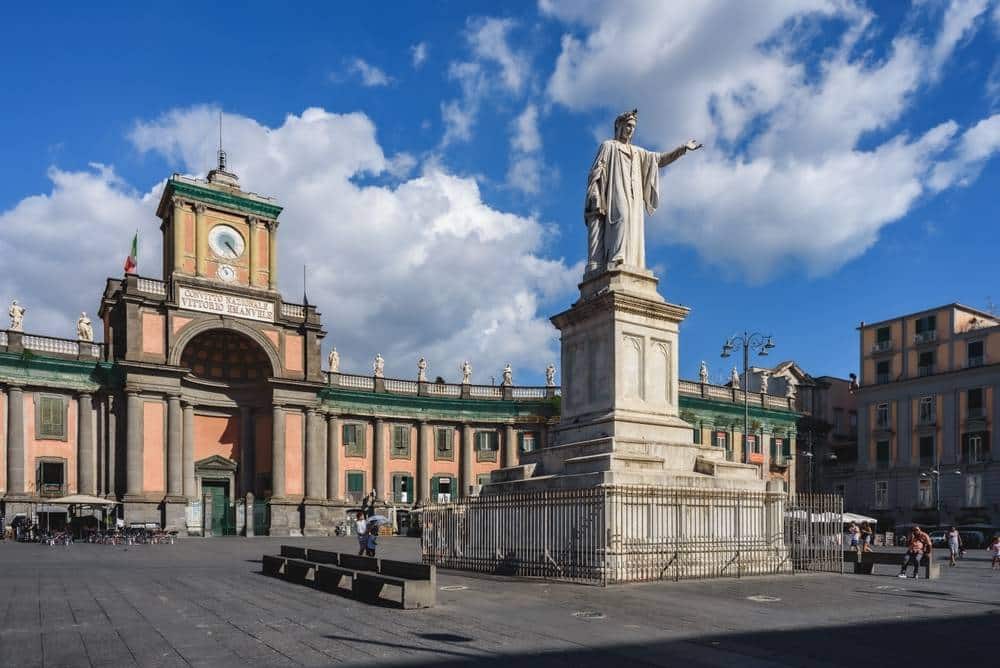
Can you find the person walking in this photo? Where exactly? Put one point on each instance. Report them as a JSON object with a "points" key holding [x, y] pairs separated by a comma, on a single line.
{"points": [[919, 542], [867, 537], [361, 530], [994, 549], [954, 545], [855, 537], [371, 544]]}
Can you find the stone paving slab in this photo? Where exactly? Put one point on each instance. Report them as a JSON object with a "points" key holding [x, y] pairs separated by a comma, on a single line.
{"points": [[204, 602]]}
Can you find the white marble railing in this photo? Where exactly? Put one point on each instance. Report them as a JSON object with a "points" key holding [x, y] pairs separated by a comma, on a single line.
{"points": [[293, 311], [151, 286], [403, 386], [443, 390], [48, 344], [777, 402], [529, 392], [486, 391], [3, 338], [688, 387], [719, 392], [359, 382]]}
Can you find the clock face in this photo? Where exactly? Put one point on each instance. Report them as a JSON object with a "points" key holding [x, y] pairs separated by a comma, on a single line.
{"points": [[226, 273], [226, 242]]}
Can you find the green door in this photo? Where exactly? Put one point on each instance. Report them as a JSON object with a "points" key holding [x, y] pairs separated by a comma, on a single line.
{"points": [[219, 491]]}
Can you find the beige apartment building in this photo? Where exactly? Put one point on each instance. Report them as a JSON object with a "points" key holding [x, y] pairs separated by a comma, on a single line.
{"points": [[927, 403]]}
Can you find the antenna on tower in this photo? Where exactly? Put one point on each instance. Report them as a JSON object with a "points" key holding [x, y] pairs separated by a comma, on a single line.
{"points": [[305, 299], [222, 154]]}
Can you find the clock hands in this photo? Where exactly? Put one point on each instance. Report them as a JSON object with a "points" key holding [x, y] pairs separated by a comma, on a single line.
{"points": [[228, 243]]}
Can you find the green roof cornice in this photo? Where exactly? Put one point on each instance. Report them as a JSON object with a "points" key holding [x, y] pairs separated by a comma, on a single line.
{"points": [[431, 408], [728, 408], [34, 369], [220, 198]]}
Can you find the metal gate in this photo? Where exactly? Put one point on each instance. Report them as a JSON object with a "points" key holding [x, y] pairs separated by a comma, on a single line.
{"points": [[261, 524], [814, 532]]}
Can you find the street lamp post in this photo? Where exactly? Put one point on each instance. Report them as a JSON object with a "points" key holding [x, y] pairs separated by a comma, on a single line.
{"points": [[762, 344], [935, 473]]}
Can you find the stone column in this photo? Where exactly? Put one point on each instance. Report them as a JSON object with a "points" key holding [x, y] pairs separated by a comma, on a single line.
{"points": [[509, 447], [278, 452], [178, 217], [85, 452], [315, 454], [175, 446], [424, 446], [334, 484], [247, 448], [15, 440], [201, 239], [254, 250], [380, 460], [111, 474], [465, 462], [133, 443], [272, 255], [190, 486], [206, 517]]}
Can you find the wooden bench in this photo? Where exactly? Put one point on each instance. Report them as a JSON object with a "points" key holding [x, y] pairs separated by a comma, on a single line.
{"points": [[865, 562], [365, 577]]}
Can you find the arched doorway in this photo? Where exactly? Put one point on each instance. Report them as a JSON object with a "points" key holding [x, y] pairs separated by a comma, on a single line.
{"points": [[229, 373]]}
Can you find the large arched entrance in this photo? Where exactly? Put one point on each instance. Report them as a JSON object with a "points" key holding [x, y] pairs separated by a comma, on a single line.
{"points": [[228, 376]]}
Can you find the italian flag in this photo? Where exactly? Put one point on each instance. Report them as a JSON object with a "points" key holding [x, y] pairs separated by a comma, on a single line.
{"points": [[131, 262]]}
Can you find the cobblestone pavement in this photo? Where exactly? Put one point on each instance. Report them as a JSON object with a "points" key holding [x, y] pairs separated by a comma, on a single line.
{"points": [[205, 603]]}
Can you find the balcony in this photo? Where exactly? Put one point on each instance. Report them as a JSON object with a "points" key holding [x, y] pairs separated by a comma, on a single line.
{"points": [[978, 360], [925, 370], [921, 338], [51, 489], [881, 347], [881, 378]]}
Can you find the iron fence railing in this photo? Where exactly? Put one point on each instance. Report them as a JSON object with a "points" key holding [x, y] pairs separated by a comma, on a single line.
{"points": [[814, 532], [615, 534]]}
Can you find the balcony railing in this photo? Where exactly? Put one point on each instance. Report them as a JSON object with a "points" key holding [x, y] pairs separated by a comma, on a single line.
{"points": [[151, 286], [978, 360], [882, 346], [51, 489], [293, 311], [926, 370], [925, 337], [975, 413], [881, 378], [53, 345], [413, 387]]}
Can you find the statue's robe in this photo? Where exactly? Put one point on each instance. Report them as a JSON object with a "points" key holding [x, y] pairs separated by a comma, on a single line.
{"points": [[623, 185]]}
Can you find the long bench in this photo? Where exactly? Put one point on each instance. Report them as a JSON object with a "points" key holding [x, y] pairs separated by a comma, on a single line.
{"points": [[362, 577], [865, 562]]}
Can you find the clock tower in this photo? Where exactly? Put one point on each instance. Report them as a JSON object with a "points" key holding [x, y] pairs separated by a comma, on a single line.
{"points": [[216, 233]]}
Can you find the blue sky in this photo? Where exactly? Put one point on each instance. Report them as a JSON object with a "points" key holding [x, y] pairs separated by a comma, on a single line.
{"points": [[432, 159]]}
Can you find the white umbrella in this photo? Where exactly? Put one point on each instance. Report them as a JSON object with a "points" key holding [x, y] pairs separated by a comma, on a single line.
{"points": [[81, 500], [854, 517], [379, 519]]}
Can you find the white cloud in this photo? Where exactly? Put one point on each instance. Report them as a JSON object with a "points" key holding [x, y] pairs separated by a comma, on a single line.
{"points": [[421, 268], [418, 53], [526, 138], [526, 168], [789, 117], [489, 41], [71, 238], [977, 145], [370, 74]]}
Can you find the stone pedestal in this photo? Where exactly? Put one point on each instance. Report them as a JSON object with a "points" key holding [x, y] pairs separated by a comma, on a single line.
{"points": [[316, 518], [285, 518], [620, 422], [175, 514]]}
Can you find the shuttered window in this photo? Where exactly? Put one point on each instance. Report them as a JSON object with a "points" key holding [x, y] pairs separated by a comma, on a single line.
{"points": [[51, 422], [354, 440]]}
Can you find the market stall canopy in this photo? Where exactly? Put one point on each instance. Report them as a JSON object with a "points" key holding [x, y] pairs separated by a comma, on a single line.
{"points": [[854, 517], [80, 500]]}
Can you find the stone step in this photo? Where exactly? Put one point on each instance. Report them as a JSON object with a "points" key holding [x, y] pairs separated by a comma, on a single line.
{"points": [[612, 461], [520, 472]]}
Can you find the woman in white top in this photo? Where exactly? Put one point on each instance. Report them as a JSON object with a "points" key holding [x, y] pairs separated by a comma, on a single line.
{"points": [[954, 544]]}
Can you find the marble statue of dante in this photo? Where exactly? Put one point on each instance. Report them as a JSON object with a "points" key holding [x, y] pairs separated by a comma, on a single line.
{"points": [[703, 373], [508, 375], [333, 361], [16, 312], [623, 185], [550, 375], [378, 366], [734, 379], [466, 372], [84, 330], [422, 370]]}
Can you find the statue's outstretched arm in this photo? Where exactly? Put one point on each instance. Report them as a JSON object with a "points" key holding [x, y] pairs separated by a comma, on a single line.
{"points": [[670, 156]]}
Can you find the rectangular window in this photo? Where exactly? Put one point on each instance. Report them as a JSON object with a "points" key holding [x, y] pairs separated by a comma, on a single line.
{"points": [[402, 488], [442, 488], [974, 353], [401, 441], [883, 335], [925, 493], [779, 449], [356, 484], [925, 363], [696, 435], [51, 420], [974, 490], [852, 420], [928, 410], [882, 372], [486, 444], [528, 441], [753, 444], [973, 450], [51, 478], [927, 451], [882, 453], [926, 324], [975, 402], [882, 416], [721, 440], [881, 493], [354, 440], [838, 420], [444, 443]]}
